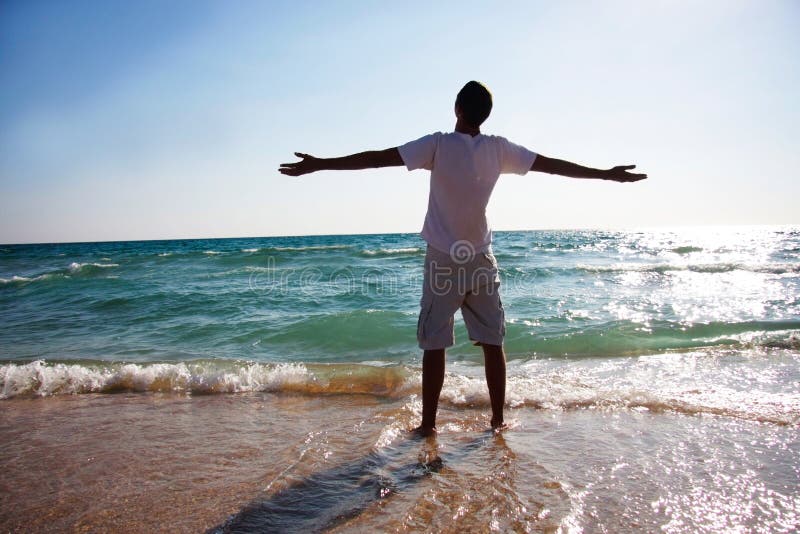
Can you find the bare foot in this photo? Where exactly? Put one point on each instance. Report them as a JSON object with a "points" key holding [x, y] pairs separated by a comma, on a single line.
{"points": [[424, 431], [498, 426]]}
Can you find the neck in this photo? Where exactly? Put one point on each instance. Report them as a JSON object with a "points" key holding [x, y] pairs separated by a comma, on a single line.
{"points": [[461, 127]]}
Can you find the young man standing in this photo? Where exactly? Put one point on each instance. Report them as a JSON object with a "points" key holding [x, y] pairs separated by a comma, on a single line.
{"points": [[460, 269]]}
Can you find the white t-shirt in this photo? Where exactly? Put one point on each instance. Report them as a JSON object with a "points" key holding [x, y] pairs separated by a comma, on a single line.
{"points": [[464, 170]]}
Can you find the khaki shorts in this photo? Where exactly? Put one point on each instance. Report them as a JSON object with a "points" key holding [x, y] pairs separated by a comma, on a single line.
{"points": [[471, 284]]}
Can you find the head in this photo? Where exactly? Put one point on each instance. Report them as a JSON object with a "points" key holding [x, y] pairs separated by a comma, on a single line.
{"points": [[473, 104]]}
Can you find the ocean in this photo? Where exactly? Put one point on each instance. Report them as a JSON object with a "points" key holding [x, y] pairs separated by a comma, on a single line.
{"points": [[267, 384]]}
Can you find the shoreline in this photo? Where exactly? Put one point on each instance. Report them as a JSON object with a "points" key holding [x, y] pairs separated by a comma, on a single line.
{"points": [[154, 462]]}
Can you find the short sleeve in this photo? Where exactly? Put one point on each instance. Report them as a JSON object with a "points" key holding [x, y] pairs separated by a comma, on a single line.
{"points": [[515, 159], [419, 154]]}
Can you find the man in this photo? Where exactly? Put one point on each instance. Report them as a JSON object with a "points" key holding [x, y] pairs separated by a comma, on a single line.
{"points": [[460, 269]]}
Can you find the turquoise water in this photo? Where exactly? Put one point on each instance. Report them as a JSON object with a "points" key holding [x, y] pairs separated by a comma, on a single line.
{"points": [[264, 314], [653, 384], [355, 298]]}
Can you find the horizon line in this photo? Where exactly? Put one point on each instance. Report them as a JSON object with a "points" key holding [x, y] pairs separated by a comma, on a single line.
{"points": [[561, 229]]}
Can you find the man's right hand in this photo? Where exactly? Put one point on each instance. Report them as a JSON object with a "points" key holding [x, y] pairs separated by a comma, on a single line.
{"points": [[307, 164], [573, 170], [621, 174]]}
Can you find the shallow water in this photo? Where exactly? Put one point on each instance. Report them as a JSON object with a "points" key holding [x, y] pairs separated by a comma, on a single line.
{"points": [[234, 463]]}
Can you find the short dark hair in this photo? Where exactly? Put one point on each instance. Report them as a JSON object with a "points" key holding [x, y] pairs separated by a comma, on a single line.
{"points": [[475, 102]]}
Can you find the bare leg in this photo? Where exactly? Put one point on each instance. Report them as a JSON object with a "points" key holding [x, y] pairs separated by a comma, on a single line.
{"points": [[432, 380], [495, 363]]}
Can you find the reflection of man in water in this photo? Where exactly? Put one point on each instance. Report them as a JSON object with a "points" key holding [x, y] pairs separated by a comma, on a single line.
{"points": [[460, 269]]}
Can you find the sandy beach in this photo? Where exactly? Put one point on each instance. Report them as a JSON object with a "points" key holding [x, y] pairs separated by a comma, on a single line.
{"points": [[234, 463]]}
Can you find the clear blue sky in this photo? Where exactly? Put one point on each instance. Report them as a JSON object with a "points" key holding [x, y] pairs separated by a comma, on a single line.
{"points": [[152, 119]]}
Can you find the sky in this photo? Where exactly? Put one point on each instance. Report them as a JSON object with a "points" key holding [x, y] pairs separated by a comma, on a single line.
{"points": [[128, 120]]}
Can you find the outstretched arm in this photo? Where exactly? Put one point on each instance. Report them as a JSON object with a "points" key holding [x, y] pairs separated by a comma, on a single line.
{"points": [[372, 159], [573, 170]]}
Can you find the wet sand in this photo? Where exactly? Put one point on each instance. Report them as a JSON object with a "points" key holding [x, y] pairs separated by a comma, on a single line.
{"points": [[238, 462], [147, 462]]}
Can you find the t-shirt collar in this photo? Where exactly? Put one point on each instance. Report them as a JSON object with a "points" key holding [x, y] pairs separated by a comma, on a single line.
{"points": [[468, 137]]}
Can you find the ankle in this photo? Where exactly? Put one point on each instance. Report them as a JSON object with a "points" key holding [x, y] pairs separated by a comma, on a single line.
{"points": [[425, 431]]}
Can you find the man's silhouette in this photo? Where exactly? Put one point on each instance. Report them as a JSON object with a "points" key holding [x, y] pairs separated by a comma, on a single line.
{"points": [[460, 269]]}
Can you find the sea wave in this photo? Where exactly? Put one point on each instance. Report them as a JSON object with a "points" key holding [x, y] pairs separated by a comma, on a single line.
{"points": [[392, 251], [14, 280], [541, 390], [553, 391], [41, 378], [246, 252], [623, 338], [76, 267]]}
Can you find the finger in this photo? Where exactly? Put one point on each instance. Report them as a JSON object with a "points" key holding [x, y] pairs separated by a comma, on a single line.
{"points": [[627, 167], [303, 156], [628, 177]]}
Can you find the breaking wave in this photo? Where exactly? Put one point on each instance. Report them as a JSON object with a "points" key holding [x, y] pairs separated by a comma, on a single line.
{"points": [[41, 378], [527, 388]]}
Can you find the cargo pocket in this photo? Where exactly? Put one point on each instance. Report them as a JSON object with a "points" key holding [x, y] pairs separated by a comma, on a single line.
{"points": [[494, 266], [424, 312]]}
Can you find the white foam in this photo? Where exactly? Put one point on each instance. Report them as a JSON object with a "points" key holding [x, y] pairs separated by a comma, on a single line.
{"points": [[75, 266], [15, 279], [391, 251], [42, 379], [25, 279], [685, 385], [400, 423], [626, 384]]}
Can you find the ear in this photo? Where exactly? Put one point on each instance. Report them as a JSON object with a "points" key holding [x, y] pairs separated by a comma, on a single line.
{"points": [[458, 111]]}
